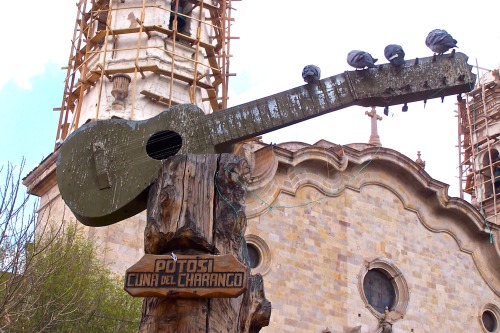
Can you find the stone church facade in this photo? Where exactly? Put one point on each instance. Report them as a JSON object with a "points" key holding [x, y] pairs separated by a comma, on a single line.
{"points": [[327, 219], [354, 238], [339, 233]]}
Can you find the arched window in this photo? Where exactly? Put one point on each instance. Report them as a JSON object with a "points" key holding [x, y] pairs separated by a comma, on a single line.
{"points": [[488, 316], [259, 254], [383, 286], [253, 255], [183, 15], [490, 173], [490, 321], [379, 291]]}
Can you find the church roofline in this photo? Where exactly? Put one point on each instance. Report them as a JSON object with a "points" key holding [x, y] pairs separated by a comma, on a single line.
{"points": [[421, 194], [39, 180]]}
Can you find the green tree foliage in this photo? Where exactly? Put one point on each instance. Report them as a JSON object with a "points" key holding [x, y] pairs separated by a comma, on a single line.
{"points": [[51, 278]]}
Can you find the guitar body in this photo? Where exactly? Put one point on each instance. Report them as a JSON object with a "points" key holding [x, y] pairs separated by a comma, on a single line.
{"points": [[105, 168]]}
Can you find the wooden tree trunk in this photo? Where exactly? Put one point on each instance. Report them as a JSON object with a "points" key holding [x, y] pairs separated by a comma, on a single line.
{"points": [[197, 206]]}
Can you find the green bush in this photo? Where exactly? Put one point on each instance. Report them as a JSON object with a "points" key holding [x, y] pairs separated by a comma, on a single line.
{"points": [[51, 278]]}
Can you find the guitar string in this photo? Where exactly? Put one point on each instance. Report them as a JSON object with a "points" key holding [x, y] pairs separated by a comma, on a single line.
{"points": [[141, 158], [197, 125], [224, 114], [217, 118], [131, 144], [168, 150], [128, 145], [138, 141], [203, 120], [326, 195]]}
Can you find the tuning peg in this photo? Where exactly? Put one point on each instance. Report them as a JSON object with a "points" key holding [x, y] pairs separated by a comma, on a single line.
{"points": [[416, 61], [459, 98], [386, 110], [442, 99], [425, 103], [405, 107]]}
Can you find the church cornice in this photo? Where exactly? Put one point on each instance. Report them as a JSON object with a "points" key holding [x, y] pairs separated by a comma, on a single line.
{"points": [[43, 177], [418, 192]]}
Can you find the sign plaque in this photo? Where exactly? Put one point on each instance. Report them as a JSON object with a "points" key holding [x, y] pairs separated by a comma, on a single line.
{"points": [[187, 276]]}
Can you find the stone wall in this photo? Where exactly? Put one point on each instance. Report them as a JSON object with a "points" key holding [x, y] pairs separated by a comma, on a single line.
{"points": [[321, 239], [319, 250], [319, 215]]}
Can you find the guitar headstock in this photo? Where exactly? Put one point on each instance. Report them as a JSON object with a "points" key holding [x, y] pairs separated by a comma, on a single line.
{"points": [[418, 79]]}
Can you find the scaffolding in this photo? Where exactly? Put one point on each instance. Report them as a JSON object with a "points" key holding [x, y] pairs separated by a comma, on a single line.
{"points": [[95, 44], [479, 145]]}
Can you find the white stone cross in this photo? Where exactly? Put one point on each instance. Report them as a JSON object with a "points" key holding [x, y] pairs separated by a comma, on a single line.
{"points": [[374, 138]]}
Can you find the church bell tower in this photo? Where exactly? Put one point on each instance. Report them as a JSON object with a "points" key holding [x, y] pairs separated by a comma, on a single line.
{"points": [[479, 146], [133, 59]]}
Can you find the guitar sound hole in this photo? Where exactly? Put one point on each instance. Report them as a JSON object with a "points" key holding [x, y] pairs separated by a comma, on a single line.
{"points": [[163, 144]]}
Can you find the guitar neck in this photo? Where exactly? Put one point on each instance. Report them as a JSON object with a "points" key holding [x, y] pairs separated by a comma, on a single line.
{"points": [[385, 85], [280, 110]]}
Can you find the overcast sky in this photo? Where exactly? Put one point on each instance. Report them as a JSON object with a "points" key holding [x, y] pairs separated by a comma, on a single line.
{"points": [[277, 39]]}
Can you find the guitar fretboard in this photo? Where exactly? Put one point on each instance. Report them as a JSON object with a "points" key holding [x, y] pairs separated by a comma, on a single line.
{"points": [[385, 85], [279, 110]]}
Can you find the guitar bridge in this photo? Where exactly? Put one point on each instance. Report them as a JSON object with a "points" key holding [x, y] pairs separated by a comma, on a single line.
{"points": [[101, 165]]}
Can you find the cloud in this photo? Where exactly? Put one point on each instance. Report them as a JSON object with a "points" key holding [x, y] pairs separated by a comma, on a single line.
{"points": [[278, 40], [32, 38]]}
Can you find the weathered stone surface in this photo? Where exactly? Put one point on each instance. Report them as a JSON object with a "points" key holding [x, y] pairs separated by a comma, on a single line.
{"points": [[324, 225]]}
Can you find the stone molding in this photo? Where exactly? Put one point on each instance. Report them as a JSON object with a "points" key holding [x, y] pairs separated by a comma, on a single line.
{"points": [[417, 191]]}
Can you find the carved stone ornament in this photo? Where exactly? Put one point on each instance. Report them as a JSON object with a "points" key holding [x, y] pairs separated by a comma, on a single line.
{"points": [[388, 319], [120, 88]]}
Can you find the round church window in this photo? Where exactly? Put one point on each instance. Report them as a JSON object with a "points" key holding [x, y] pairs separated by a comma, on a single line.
{"points": [[379, 290], [382, 286], [490, 321], [254, 255], [259, 254]]}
